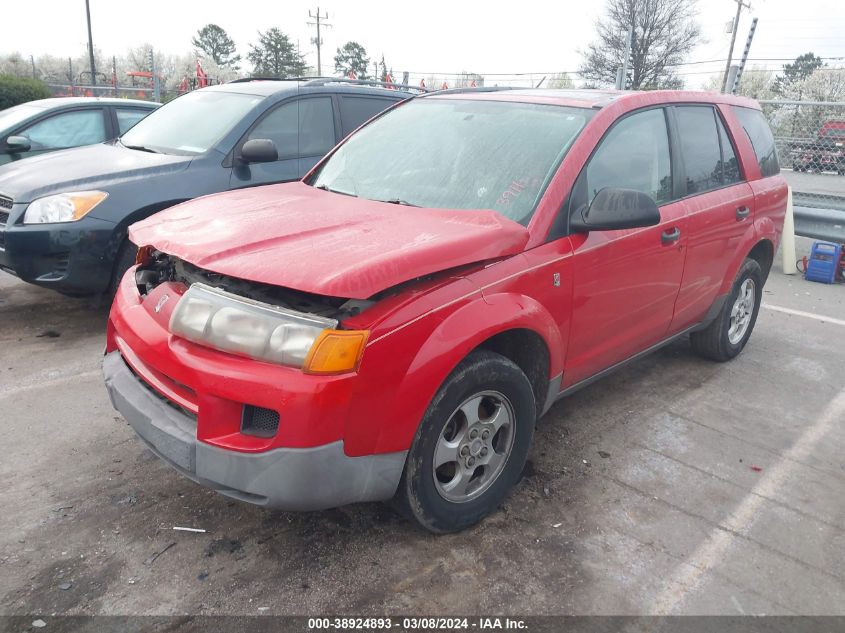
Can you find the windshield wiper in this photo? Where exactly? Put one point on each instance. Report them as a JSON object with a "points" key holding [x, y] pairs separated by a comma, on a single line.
{"points": [[404, 203], [327, 188], [141, 148]]}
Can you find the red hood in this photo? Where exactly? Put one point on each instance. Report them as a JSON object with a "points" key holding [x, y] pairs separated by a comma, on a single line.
{"points": [[298, 237]]}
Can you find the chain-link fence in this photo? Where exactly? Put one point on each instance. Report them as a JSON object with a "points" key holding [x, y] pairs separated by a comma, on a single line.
{"points": [[810, 138]]}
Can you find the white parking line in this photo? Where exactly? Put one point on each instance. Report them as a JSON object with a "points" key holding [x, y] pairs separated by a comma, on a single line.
{"points": [[801, 313], [688, 576]]}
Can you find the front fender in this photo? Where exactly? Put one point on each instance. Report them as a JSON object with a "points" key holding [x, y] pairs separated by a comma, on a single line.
{"points": [[446, 341]]}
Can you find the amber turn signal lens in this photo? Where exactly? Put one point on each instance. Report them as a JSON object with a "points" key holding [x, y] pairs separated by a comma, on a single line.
{"points": [[143, 255], [336, 352]]}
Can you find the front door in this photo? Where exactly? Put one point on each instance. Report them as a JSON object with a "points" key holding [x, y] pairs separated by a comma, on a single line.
{"points": [[625, 282], [303, 131]]}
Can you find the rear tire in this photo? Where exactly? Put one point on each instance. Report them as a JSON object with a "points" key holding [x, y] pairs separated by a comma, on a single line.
{"points": [[727, 335], [471, 445]]}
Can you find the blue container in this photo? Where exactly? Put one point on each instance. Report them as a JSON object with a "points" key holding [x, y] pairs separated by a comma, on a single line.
{"points": [[823, 262]]}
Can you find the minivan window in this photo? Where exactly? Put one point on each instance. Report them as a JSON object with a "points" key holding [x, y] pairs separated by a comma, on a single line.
{"points": [[760, 135], [356, 110], [456, 154], [633, 155], [191, 124], [699, 140]]}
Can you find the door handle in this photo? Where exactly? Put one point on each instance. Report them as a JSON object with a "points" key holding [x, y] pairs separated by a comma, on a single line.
{"points": [[742, 213], [668, 236]]}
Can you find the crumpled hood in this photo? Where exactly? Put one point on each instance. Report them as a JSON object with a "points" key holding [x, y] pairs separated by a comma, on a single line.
{"points": [[81, 168], [298, 237]]}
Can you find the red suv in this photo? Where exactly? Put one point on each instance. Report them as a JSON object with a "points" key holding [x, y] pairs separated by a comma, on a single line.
{"points": [[394, 325]]}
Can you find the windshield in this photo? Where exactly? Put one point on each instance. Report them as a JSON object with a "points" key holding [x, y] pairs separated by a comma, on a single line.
{"points": [[191, 124], [456, 154], [10, 117]]}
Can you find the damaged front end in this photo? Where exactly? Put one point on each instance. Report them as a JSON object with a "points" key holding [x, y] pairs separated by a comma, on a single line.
{"points": [[259, 321]]}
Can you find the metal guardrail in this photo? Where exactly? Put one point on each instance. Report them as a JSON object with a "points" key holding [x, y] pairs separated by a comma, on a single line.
{"points": [[818, 223]]}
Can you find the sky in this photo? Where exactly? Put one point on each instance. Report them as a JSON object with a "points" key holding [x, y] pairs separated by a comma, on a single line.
{"points": [[432, 37]]}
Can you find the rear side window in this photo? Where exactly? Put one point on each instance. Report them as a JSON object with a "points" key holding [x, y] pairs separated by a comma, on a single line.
{"points": [[355, 110], [700, 149], [755, 125], [126, 118], [730, 165], [633, 155]]}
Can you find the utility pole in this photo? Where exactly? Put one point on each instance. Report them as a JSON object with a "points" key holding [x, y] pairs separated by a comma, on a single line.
{"points": [[739, 5], [318, 41], [90, 45], [627, 57], [735, 83]]}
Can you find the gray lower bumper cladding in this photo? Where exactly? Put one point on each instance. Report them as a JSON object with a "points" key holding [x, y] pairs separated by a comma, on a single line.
{"points": [[283, 478]]}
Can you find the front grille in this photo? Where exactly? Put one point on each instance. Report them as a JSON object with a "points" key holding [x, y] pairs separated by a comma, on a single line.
{"points": [[4, 217], [6, 203], [259, 421]]}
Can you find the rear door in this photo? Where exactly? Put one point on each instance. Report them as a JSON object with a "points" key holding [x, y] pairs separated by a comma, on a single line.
{"points": [[719, 204], [625, 282]]}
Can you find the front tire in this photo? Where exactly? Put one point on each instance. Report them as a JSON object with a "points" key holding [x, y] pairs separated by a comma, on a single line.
{"points": [[471, 445], [727, 335], [124, 260]]}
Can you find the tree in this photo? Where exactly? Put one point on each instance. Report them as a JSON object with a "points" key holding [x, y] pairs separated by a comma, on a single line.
{"points": [[275, 56], [560, 80], [17, 90], [217, 45], [664, 32], [757, 83], [352, 58], [794, 74]]}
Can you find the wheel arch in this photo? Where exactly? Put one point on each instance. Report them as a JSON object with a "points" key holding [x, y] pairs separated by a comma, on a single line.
{"points": [[513, 325]]}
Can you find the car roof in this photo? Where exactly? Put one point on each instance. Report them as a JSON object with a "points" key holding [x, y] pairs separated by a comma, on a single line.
{"points": [[62, 102], [269, 87], [593, 98]]}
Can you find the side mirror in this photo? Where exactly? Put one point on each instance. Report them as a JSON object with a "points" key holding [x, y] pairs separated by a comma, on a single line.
{"points": [[614, 209], [18, 144], [259, 150]]}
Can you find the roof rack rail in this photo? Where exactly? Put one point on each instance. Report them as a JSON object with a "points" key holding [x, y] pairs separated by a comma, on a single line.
{"points": [[453, 91], [321, 81], [243, 80]]}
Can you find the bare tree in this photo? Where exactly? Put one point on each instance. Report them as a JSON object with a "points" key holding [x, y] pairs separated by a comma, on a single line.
{"points": [[664, 32]]}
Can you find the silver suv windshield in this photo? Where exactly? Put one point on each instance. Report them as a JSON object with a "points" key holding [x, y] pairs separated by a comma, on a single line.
{"points": [[456, 154], [191, 124]]}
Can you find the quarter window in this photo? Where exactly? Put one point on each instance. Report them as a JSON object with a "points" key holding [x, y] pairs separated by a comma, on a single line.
{"points": [[633, 155], [70, 129], [760, 135]]}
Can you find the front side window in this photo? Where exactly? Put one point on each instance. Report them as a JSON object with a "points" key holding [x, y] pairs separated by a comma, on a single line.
{"points": [[191, 124], [456, 154], [70, 129], [300, 128], [633, 155], [760, 135]]}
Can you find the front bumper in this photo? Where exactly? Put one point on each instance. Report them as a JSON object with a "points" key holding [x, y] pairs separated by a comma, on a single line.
{"points": [[284, 478], [71, 257]]}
